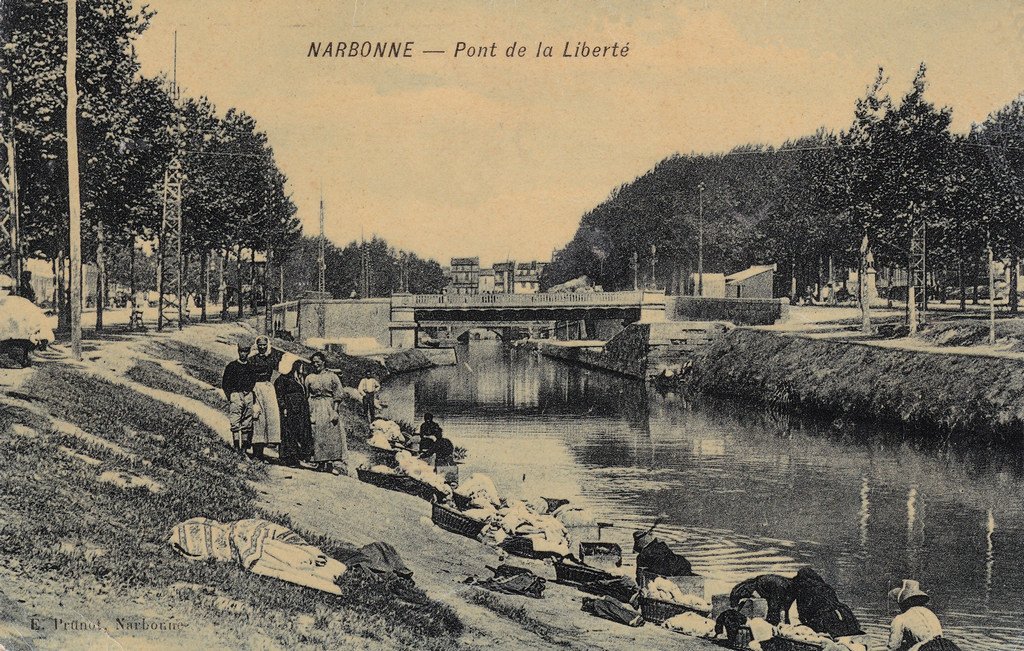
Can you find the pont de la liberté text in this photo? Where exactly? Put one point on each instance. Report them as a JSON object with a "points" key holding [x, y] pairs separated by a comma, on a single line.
{"points": [[464, 50]]}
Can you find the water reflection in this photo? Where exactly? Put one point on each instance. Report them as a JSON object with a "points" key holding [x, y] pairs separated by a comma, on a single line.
{"points": [[748, 490]]}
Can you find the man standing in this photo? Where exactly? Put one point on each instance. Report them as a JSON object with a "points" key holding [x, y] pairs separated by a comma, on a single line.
{"points": [[239, 380], [368, 387], [267, 425]]}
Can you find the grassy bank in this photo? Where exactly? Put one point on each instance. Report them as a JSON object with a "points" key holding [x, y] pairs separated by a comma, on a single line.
{"points": [[96, 474], [954, 394]]}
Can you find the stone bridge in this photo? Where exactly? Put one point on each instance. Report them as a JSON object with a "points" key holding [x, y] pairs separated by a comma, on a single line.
{"points": [[394, 321]]}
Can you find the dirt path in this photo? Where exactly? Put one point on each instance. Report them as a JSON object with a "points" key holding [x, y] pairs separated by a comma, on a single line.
{"points": [[350, 510]]}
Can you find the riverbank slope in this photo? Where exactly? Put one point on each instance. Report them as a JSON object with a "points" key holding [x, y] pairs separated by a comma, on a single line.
{"points": [[104, 456], [908, 382]]}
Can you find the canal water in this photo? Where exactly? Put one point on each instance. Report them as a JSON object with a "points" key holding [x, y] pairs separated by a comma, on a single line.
{"points": [[744, 490]]}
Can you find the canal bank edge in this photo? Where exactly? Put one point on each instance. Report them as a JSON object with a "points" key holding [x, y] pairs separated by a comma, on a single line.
{"points": [[937, 393]]}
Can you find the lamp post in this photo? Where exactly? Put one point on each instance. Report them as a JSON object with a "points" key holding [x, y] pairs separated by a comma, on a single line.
{"points": [[654, 260], [700, 239]]}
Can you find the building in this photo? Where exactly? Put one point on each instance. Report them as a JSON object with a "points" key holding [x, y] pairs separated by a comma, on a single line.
{"points": [[465, 276], [527, 278], [486, 282], [713, 285], [755, 282], [504, 277]]}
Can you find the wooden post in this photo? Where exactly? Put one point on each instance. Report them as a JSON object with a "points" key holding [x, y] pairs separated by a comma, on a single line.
{"points": [[74, 192]]}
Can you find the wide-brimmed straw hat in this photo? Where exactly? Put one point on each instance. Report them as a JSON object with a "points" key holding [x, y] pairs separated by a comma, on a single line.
{"points": [[910, 593]]}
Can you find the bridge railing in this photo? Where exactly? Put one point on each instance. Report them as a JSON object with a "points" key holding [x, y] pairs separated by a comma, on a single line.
{"points": [[526, 300]]}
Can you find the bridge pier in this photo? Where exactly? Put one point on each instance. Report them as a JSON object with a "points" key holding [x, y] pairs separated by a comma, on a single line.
{"points": [[403, 327]]}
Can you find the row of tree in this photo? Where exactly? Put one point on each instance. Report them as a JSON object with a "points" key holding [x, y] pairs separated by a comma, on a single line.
{"points": [[130, 129], [360, 270], [897, 172]]}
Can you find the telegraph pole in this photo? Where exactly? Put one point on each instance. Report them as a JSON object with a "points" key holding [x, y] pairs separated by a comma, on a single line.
{"points": [[700, 239], [169, 271], [74, 192]]}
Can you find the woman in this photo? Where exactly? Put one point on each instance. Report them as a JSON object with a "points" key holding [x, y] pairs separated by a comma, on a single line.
{"points": [[916, 628], [266, 427], [325, 391], [819, 607], [296, 430]]}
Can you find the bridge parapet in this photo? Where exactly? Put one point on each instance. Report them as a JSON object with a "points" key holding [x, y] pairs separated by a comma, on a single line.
{"points": [[557, 299]]}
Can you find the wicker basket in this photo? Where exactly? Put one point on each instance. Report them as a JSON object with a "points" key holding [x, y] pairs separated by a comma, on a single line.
{"points": [[608, 552], [400, 483], [785, 644], [742, 642], [451, 520], [523, 546], [658, 611], [579, 574]]}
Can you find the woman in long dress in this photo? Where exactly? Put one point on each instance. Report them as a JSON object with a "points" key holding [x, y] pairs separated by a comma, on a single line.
{"points": [[325, 390], [296, 429], [266, 426]]}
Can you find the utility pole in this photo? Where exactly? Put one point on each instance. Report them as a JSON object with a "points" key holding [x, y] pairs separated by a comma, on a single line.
{"points": [[321, 278], [700, 239], [74, 192], [169, 271]]}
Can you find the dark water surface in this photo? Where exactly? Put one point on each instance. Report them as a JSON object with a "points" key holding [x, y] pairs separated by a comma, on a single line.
{"points": [[746, 490]]}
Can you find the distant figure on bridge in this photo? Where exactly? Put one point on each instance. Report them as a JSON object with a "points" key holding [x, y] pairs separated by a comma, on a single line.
{"points": [[266, 417], [368, 389]]}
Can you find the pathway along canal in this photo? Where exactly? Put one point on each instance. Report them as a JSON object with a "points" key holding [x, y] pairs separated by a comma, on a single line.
{"points": [[746, 490]]}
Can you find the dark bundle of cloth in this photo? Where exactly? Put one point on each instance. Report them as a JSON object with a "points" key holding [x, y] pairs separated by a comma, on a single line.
{"points": [[379, 558], [509, 579], [939, 644], [820, 608], [613, 610], [620, 588], [776, 590]]}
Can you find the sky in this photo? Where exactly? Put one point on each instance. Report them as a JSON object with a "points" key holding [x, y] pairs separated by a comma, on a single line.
{"points": [[449, 155]]}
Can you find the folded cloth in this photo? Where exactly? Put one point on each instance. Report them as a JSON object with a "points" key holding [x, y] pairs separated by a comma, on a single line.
{"points": [[379, 558], [260, 547], [613, 610], [621, 588]]}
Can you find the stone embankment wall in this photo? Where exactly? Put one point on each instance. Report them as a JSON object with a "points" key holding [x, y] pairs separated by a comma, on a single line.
{"points": [[642, 350], [741, 311], [939, 392]]}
